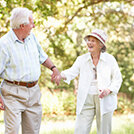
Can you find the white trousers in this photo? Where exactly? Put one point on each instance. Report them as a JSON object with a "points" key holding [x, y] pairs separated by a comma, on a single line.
{"points": [[22, 106], [85, 118]]}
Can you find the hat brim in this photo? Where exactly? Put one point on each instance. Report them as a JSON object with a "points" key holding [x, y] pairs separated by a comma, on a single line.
{"points": [[94, 35]]}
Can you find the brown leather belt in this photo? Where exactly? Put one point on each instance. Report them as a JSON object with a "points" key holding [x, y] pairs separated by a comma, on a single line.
{"points": [[26, 84]]}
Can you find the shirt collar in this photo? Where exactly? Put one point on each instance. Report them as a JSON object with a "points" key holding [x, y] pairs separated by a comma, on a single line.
{"points": [[102, 56], [15, 38]]}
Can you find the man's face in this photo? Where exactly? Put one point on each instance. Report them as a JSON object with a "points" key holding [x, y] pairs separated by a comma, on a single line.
{"points": [[28, 27]]}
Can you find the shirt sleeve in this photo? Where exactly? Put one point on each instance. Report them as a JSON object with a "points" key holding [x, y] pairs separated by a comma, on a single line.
{"points": [[4, 57], [42, 55], [116, 79], [72, 72]]}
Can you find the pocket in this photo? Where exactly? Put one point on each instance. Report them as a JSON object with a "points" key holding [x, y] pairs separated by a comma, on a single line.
{"points": [[35, 95], [38, 94], [9, 100], [5, 89], [18, 93]]}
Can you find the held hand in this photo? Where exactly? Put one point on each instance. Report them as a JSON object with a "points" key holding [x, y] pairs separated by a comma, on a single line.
{"points": [[55, 77], [1, 103], [104, 93], [54, 74], [58, 79]]}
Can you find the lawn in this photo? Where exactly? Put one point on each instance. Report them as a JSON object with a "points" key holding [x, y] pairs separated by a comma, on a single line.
{"points": [[122, 124]]}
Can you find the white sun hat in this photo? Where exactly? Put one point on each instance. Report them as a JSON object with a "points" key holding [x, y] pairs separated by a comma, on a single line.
{"points": [[99, 34]]}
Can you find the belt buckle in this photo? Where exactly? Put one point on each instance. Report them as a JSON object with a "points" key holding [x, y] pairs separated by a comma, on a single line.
{"points": [[14, 82], [28, 83], [18, 83]]}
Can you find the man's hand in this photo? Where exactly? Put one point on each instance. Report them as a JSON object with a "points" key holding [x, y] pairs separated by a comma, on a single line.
{"points": [[104, 93], [1, 103], [56, 77]]}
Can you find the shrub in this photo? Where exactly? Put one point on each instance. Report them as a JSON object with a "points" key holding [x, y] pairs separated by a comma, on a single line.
{"points": [[58, 103], [125, 104]]}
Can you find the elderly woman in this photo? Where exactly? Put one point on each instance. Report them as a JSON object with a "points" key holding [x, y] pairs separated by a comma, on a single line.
{"points": [[99, 83]]}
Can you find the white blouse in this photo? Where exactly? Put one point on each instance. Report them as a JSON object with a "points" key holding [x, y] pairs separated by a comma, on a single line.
{"points": [[108, 77]]}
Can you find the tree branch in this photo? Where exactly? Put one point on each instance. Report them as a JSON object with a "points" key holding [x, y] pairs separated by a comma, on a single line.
{"points": [[93, 2], [87, 4]]}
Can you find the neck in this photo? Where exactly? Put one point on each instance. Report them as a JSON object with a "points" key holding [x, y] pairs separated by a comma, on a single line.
{"points": [[95, 55], [95, 58], [19, 34]]}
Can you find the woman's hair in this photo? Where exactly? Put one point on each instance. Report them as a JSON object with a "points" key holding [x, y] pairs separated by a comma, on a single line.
{"points": [[103, 49], [19, 16]]}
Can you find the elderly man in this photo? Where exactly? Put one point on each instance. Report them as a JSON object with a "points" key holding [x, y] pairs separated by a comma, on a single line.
{"points": [[20, 59]]}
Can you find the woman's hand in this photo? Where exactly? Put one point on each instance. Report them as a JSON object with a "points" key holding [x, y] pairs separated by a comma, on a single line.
{"points": [[104, 93]]}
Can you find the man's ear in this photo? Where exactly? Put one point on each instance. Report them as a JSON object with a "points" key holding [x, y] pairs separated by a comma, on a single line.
{"points": [[22, 26]]}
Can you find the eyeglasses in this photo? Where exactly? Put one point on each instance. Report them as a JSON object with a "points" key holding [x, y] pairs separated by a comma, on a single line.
{"points": [[95, 70]]}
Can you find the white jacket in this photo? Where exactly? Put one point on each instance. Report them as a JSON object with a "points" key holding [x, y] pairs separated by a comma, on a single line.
{"points": [[108, 77]]}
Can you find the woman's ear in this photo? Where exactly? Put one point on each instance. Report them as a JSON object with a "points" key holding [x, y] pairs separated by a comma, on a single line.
{"points": [[101, 45]]}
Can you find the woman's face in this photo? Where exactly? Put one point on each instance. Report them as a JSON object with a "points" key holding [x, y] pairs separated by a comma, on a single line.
{"points": [[93, 44]]}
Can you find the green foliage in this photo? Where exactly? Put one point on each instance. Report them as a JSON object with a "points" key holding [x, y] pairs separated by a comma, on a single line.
{"points": [[69, 104], [46, 7], [124, 56], [61, 25], [58, 103], [125, 105]]}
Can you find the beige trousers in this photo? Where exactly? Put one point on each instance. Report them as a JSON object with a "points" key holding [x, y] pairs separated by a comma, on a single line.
{"points": [[85, 118], [22, 106]]}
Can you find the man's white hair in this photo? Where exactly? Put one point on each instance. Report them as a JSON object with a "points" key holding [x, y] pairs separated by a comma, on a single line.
{"points": [[19, 16]]}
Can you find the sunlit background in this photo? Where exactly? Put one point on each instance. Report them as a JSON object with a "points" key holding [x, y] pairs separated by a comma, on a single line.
{"points": [[60, 28]]}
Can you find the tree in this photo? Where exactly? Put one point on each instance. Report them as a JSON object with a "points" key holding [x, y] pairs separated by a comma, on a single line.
{"points": [[62, 25]]}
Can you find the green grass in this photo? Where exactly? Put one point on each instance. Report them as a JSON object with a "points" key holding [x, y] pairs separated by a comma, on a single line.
{"points": [[124, 129], [122, 124], [61, 132]]}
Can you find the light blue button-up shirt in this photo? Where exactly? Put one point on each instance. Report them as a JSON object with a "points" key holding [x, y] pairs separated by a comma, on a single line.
{"points": [[20, 61]]}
